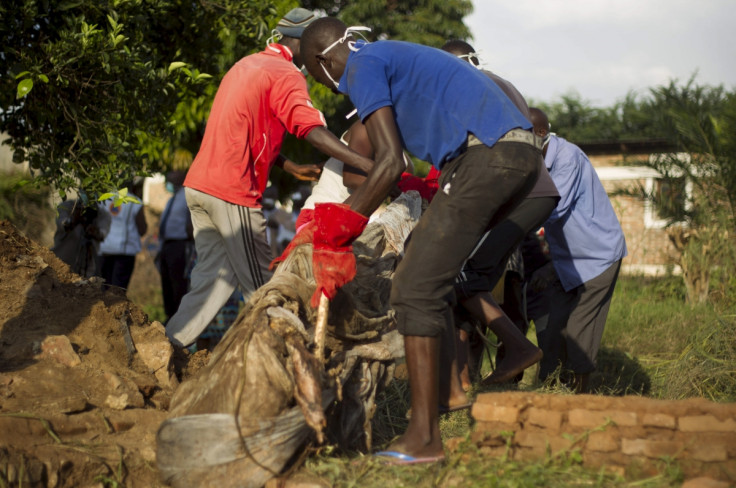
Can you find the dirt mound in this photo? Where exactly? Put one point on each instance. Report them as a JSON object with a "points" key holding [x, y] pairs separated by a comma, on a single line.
{"points": [[85, 378]]}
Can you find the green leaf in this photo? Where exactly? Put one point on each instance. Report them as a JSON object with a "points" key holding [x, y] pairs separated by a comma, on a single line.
{"points": [[112, 22], [130, 199], [43, 78], [105, 196], [70, 5], [22, 74], [176, 65], [24, 88], [203, 76]]}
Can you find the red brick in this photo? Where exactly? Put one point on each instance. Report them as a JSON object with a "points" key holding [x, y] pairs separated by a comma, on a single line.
{"points": [[495, 428], [704, 482], [708, 451], [633, 447], [489, 413], [652, 448], [540, 441], [706, 423], [659, 420], [549, 419], [595, 418], [602, 442], [612, 462], [482, 437]]}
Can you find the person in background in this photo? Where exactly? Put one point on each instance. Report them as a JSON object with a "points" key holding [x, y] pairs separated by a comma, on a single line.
{"points": [[586, 245], [176, 236], [123, 242], [80, 227], [261, 98]]}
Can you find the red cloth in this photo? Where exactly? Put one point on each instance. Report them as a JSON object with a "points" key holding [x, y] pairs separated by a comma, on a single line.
{"points": [[333, 261], [306, 215], [260, 98], [305, 235], [427, 187]]}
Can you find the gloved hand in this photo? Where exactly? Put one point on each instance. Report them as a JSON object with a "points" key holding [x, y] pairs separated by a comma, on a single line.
{"points": [[543, 277], [432, 180], [333, 261], [303, 236]]}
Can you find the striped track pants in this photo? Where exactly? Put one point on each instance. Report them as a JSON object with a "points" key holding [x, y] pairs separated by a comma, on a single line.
{"points": [[231, 251]]}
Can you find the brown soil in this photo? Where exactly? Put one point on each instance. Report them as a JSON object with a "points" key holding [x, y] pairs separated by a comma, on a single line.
{"points": [[79, 402]]}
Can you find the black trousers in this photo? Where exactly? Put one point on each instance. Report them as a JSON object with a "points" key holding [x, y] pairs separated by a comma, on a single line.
{"points": [[573, 330], [174, 262], [478, 189], [116, 269], [486, 265]]}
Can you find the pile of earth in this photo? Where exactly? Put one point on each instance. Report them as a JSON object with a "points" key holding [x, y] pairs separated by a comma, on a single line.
{"points": [[85, 377]]}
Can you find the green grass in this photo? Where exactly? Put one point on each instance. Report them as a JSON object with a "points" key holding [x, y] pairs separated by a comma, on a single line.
{"points": [[469, 466], [654, 345], [683, 351]]}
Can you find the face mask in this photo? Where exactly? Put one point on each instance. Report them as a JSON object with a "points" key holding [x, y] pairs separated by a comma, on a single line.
{"points": [[351, 46], [545, 140], [472, 57], [276, 36], [169, 187], [336, 83]]}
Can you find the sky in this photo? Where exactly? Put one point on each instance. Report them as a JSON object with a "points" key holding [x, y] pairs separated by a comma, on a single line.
{"points": [[603, 49]]}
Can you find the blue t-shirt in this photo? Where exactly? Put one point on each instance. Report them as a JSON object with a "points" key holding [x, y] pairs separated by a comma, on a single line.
{"points": [[437, 99]]}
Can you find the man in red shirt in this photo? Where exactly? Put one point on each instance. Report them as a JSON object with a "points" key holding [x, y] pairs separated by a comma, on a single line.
{"points": [[261, 97]]}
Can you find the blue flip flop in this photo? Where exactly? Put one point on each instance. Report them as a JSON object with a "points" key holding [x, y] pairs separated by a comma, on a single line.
{"points": [[401, 459]]}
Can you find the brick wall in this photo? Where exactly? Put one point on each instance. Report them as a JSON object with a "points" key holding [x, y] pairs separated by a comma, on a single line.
{"points": [[646, 246], [633, 434], [650, 250]]}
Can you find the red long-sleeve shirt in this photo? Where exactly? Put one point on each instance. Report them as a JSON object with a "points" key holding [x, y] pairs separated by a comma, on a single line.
{"points": [[260, 98]]}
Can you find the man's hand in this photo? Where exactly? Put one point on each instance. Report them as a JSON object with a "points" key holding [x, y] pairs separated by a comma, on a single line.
{"points": [[326, 142], [303, 172], [333, 261], [543, 277]]}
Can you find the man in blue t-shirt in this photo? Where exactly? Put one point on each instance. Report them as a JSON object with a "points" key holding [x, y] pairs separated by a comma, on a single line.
{"points": [[448, 113]]}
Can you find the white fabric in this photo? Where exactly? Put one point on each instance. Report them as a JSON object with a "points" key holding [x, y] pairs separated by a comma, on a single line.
{"points": [[330, 187]]}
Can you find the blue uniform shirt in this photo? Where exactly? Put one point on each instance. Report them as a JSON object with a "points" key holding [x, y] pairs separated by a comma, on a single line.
{"points": [[437, 99], [584, 235], [176, 217]]}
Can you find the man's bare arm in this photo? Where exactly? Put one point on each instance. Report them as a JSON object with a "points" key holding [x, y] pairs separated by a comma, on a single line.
{"points": [[359, 142], [389, 156], [326, 142]]}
